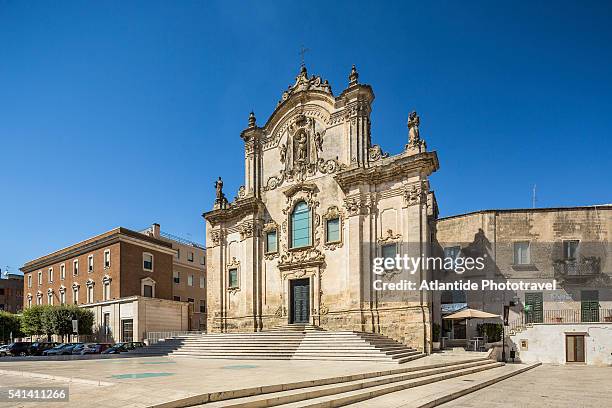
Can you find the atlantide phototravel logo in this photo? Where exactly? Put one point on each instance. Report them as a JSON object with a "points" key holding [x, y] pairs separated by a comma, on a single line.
{"points": [[387, 269]]}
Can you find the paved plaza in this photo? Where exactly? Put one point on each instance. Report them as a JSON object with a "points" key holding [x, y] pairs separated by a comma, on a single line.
{"points": [[148, 381], [153, 381]]}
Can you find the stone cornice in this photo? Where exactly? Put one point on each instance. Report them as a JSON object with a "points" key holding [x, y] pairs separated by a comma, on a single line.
{"points": [[392, 168], [238, 208], [117, 235]]}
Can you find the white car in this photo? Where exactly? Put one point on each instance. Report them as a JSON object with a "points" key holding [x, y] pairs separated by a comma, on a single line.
{"points": [[4, 350]]}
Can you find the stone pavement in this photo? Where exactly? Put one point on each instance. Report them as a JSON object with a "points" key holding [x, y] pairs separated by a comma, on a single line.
{"points": [[149, 381], [547, 386]]}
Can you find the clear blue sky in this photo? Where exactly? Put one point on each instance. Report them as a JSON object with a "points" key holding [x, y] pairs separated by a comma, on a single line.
{"points": [[123, 113]]}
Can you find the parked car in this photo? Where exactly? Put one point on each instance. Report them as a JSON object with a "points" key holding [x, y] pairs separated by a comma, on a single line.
{"points": [[116, 349], [19, 348], [78, 348], [4, 350], [95, 348], [131, 345], [63, 349], [37, 348]]}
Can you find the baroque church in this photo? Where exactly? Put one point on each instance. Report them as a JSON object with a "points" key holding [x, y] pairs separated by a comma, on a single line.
{"points": [[319, 202]]}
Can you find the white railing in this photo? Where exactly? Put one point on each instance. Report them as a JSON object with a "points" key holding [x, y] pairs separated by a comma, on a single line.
{"points": [[156, 337]]}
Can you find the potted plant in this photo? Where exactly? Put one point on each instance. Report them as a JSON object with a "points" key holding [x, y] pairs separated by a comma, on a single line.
{"points": [[607, 319], [557, 319], [436, 336]]}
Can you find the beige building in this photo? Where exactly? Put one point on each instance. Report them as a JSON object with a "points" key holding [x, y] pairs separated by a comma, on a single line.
{"points": [[188, 274], [569, 247], [320, 200]]}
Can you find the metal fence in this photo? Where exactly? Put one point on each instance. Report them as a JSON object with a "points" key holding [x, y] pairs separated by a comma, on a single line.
{"points": [[560, 316], [155, 337]]}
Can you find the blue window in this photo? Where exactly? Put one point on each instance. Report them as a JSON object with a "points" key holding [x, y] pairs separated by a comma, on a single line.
{"points": [[333, 230], [271, 242], [233, 278], [300, 226]]}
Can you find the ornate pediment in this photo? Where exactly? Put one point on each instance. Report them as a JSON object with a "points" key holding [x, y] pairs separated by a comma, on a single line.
{"points": [[306, 187], [302, 258], [305, 83]]}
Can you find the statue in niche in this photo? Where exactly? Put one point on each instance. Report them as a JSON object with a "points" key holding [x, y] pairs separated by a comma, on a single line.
{"points": [[301, 152], [301, 140]]}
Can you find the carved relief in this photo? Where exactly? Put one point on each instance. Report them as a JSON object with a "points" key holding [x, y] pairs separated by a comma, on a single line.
{"points": [[246, 229], [308, 256], [353, 205], [375, 153], [216, 236], [390, 237], [305, 83], [300, 154], [415, 193]]}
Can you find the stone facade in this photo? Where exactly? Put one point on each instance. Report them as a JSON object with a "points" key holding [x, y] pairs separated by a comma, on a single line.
{"points": [[547, 233], [316, 150]]}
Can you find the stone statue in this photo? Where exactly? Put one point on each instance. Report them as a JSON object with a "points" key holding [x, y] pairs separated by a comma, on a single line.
{"points": [[219, 188], [415, 144], [318, 141], [283, 153], [413, 127], [301, 141]]}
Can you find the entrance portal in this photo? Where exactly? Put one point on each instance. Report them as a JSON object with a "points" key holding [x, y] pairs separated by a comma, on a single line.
{"points": [[300, 300]]}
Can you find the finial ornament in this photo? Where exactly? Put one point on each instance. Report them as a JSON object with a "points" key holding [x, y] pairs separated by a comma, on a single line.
{"points": [[415, 144], [354, 76], [252, 120]]}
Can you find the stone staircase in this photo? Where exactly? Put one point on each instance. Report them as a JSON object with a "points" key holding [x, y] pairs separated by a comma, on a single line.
{"points": [[297, 344], [295, 327], [351, 389]]}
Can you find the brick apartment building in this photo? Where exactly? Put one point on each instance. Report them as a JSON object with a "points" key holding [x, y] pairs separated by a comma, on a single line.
{"points": [[11, 292], [124, 276]]}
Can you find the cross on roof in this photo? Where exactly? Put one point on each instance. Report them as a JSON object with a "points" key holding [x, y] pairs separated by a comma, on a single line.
{"points": [[302, 52]]}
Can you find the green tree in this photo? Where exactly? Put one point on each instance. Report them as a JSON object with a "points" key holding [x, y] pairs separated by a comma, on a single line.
{"points": [[32, 321], [49, 320], [9, 323], [86, 320]]}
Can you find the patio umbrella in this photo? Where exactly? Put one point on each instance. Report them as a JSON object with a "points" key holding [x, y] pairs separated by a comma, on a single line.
{"points": [[468, 314]]}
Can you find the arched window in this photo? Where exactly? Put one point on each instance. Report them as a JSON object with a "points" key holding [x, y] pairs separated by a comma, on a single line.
{"points": [[301, 224]]}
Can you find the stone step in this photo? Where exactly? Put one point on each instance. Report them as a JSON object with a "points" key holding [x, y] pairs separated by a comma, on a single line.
{"points": [[302, 348], [351, 397], [352, 388], [322, 345], [435, 394]]}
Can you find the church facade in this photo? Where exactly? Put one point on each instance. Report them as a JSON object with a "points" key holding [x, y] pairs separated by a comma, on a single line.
{"points": [[319, 202]]}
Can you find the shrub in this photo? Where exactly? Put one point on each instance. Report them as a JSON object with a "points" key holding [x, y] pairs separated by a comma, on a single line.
{"points": [[492, 330]]}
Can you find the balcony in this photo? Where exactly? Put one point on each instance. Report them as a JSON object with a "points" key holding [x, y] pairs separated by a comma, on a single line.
{"points": [[562, 316], [573, 269]]}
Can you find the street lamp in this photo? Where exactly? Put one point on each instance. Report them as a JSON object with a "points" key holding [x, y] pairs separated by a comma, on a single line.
{"points": [[513, 302]]}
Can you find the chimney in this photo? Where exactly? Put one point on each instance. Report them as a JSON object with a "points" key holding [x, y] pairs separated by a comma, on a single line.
{"points": [[155, 229]]}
